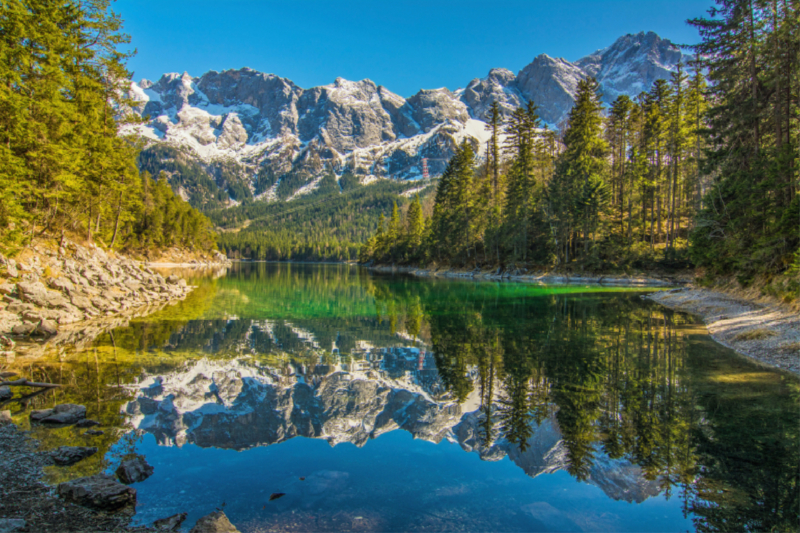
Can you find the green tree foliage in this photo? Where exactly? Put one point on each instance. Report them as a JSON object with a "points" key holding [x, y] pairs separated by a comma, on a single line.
{"points": [[62, 163], [750, 220], [618, 189], [331, 223]]}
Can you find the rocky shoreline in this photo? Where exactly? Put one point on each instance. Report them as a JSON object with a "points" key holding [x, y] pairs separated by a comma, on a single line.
{"points": [[85, 505], [525, 276], [768, 334], [52, 289]]}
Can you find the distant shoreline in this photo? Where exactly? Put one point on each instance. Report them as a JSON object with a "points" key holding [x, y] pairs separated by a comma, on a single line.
{"points": [[535, 277]]}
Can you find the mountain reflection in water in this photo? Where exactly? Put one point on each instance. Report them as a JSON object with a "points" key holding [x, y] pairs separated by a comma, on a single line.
{"points": [[599, 385]]}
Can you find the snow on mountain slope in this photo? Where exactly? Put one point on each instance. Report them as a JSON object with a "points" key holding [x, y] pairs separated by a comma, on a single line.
{"points": [[632, 64], [264, 121]]}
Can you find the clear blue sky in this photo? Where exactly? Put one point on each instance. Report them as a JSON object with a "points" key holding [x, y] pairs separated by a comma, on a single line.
{"points": [[401, 44]]}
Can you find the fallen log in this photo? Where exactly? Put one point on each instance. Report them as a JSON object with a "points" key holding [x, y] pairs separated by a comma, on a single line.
{"points": [[24, 399], [26, 383]]}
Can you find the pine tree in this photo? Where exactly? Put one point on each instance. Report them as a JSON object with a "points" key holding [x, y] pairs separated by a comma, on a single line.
{"points": [[393, 234], [578, 185], [451, 223], [749, 224], [416, 224]]}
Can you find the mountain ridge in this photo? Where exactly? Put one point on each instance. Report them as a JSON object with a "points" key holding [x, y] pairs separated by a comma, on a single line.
{"points": [[258, 121]]}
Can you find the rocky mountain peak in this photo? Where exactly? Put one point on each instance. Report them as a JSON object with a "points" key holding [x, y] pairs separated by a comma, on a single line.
{"points": [[632, 64], [498, 86], [263, 120], [551, 83]]}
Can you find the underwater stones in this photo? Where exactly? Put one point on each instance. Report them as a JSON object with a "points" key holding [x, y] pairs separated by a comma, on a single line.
{"points": [[215, 522], [87, 423], [171, 523], [65, 413], [134, 470], [99, 492], [12, 525], [69, 455]]}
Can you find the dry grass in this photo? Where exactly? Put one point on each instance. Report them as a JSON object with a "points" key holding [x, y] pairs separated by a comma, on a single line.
{"points": [[790, 348], [755, 335]]}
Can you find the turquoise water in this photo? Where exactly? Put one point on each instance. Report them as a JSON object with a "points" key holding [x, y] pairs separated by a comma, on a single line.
{"points": [[391, 403]]}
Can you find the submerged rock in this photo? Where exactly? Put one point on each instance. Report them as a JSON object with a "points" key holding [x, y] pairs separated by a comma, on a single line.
{"points": [[66, 413], [99, 492], [5, 418], [215, 522], [11, 525], [38, 414], [134, 470], [171, 523], [69, 455], [6, 393], [87, 423]]}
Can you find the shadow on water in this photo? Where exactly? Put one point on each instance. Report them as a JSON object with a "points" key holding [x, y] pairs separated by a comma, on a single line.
{"points": [[519, 407]]}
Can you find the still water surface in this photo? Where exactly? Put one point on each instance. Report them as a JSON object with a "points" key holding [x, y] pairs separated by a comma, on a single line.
{"points": [[391, 403]]}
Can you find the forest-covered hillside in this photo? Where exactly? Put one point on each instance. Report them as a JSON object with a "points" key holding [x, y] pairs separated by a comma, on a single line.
{"points": [[328, 224], [63, 166]]}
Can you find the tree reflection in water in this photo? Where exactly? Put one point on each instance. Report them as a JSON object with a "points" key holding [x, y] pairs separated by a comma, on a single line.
{"points": [[614, 377], [629, 379]]}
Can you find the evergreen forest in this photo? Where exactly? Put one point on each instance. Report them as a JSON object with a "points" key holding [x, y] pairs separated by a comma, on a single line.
{"points": [[63, 166], [329, 224], [701, 170]]}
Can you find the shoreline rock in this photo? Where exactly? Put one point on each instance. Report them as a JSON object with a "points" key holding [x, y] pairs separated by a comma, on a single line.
{"points": [[49, 290], [25, 496], [763, 333]]}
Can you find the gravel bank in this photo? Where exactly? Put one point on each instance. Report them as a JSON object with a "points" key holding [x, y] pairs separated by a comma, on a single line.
{"points": [[767, 334], [526, 276], [25, 497]]}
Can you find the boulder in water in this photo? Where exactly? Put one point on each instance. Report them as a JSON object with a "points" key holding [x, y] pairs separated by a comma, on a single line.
{"points": [[99, 492], [134, 470], [69, 455]]}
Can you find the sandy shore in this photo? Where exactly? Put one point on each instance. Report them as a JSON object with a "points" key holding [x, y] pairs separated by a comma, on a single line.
{"points": [[768, 334]]}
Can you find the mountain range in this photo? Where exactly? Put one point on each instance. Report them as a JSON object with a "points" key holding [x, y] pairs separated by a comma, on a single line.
{"points": [[242, 131]]}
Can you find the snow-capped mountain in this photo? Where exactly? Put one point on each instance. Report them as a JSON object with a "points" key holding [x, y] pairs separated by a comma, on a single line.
{"points": [[263, 121]]}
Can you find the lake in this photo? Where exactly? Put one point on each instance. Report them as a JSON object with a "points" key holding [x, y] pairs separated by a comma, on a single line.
{"points": [[393, 403]]}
